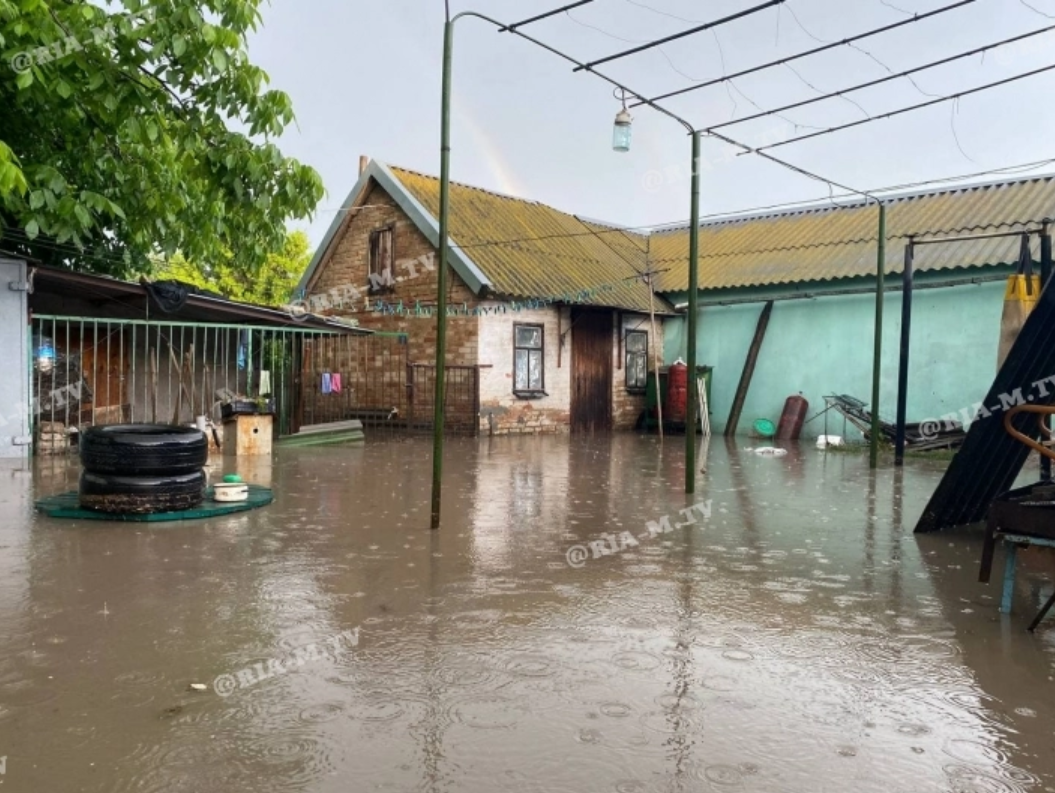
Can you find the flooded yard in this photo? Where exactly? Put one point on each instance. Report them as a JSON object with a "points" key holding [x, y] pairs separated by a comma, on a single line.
{"points": [[792, 635]]}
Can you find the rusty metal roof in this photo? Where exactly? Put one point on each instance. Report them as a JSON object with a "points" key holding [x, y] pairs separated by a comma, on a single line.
{"points": [[827, 243], [527, 249]]}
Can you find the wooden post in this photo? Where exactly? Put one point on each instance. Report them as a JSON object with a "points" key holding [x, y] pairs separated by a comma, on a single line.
{"points": [[749, 370], [655, 343]]}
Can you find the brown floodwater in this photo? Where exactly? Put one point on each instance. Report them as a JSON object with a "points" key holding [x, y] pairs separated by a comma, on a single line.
{"points": [[800, 639]]}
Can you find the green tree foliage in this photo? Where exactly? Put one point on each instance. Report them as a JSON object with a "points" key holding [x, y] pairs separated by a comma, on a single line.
{"points": [[271, 284], [141, 132]]}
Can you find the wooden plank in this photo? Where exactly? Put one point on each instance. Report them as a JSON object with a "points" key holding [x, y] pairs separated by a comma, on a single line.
{"points": [[749, 370], [332, 426]]}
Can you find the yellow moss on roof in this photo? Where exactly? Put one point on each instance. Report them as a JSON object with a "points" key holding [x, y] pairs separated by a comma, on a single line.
{"points": [[827, 243], [528, 249]]}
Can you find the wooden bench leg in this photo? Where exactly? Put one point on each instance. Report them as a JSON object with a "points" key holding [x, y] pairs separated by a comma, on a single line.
{"points": [[1011, 556]]}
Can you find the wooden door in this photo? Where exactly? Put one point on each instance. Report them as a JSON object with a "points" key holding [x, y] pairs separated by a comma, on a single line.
{"points": [[591, 371]]}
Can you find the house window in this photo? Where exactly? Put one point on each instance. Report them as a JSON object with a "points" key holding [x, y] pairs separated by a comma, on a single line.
{"points": [[528, 359], [382, 260], [636, 360]]}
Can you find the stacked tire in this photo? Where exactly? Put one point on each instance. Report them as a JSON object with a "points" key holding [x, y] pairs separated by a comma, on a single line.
{"points": [[137, 469]]}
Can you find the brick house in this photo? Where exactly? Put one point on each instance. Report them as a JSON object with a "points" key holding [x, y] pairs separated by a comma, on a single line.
{"points": [[548, 326]]}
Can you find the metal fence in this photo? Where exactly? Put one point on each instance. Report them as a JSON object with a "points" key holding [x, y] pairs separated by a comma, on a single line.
{"points": [[343, 378], [88, 372]]}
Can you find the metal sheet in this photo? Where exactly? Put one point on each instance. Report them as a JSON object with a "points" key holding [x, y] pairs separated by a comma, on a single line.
{"points": [[990, 459], [14, 385], [826, 243], [528, 249]]}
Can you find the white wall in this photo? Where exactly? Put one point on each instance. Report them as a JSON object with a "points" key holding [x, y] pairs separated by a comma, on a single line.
{"points": [[496, 383]]}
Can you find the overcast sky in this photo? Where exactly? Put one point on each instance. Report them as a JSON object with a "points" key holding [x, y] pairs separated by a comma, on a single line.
{"points": [[365, 79]]}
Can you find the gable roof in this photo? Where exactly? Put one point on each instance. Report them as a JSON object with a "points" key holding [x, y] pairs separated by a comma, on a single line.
{"points": [[823, 242], [510, 248]]}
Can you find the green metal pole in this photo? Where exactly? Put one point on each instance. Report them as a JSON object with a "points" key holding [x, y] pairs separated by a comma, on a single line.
{"points": [[873, 452], [441, 286], [694, 255]]}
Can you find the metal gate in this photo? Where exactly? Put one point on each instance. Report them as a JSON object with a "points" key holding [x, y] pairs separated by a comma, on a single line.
{"points": [[461, 409]]}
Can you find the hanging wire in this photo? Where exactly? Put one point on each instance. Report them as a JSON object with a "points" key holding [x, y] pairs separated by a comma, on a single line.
{"points": [[954, 110], [816, 50], [909, 109], [814, 88], [664, 13], [1036, 10], [888, 4], [854, 46], [678, 71], [764, 6], [871, 83], [605, 32]]}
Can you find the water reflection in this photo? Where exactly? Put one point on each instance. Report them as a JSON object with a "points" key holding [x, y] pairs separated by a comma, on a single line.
{"points": [[799, 639]]}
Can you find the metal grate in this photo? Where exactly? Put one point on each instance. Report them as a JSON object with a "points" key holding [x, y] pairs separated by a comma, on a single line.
{"points": [[347, 377], [88, 372], [461, 408]]}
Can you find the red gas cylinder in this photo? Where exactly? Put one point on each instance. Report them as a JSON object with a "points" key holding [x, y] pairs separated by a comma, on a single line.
{"points": [[677, 393], [792, 419]]}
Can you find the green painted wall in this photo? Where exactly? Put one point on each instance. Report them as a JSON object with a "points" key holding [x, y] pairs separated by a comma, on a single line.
{"points": [[824, 345]]}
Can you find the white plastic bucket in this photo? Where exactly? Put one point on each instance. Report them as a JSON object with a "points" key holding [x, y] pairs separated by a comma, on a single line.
{"points": [[230, 491]]}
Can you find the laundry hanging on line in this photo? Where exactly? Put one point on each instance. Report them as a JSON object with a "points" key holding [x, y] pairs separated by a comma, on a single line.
{"points": [[327, 383]]}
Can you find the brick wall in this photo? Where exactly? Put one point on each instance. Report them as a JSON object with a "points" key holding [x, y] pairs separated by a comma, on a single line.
{"points": [[347, 267], [627, 406], [341, 287], [498, 404]]}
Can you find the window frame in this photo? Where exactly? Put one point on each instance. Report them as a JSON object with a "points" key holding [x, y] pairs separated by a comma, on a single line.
{"points": [[530, 393], [633, 388], [377, 282]]}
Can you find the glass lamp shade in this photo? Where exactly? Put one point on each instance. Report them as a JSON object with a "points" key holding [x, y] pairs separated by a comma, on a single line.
{"points": [[621, 132]]}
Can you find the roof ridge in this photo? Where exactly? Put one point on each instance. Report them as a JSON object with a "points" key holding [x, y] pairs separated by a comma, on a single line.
{"points": [[506, 196], [822, 206]]}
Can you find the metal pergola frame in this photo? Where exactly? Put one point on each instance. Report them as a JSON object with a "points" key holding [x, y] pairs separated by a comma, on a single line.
{"points": [[695, 133], [908, 287]]}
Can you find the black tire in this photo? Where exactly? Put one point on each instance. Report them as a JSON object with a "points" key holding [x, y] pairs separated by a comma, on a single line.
{"points": [[141, 495], [143, 449]]}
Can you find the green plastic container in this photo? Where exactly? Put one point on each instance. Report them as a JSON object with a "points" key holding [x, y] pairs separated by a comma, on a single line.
{"points": [[232, 479], [765, 428]]}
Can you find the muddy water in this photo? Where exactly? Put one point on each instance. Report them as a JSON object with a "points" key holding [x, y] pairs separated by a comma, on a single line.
{"points": [[799, 639]]}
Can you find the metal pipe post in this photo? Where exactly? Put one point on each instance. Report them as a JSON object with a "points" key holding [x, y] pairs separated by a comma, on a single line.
{"points": [[1045, 276], [873, 454], [1045, 254], [694, 255], [906, 345], [441, 287]]}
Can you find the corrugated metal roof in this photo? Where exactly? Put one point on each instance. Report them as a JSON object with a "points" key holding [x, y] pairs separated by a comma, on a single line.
{"points": [[527, 249], [821, 244]]}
